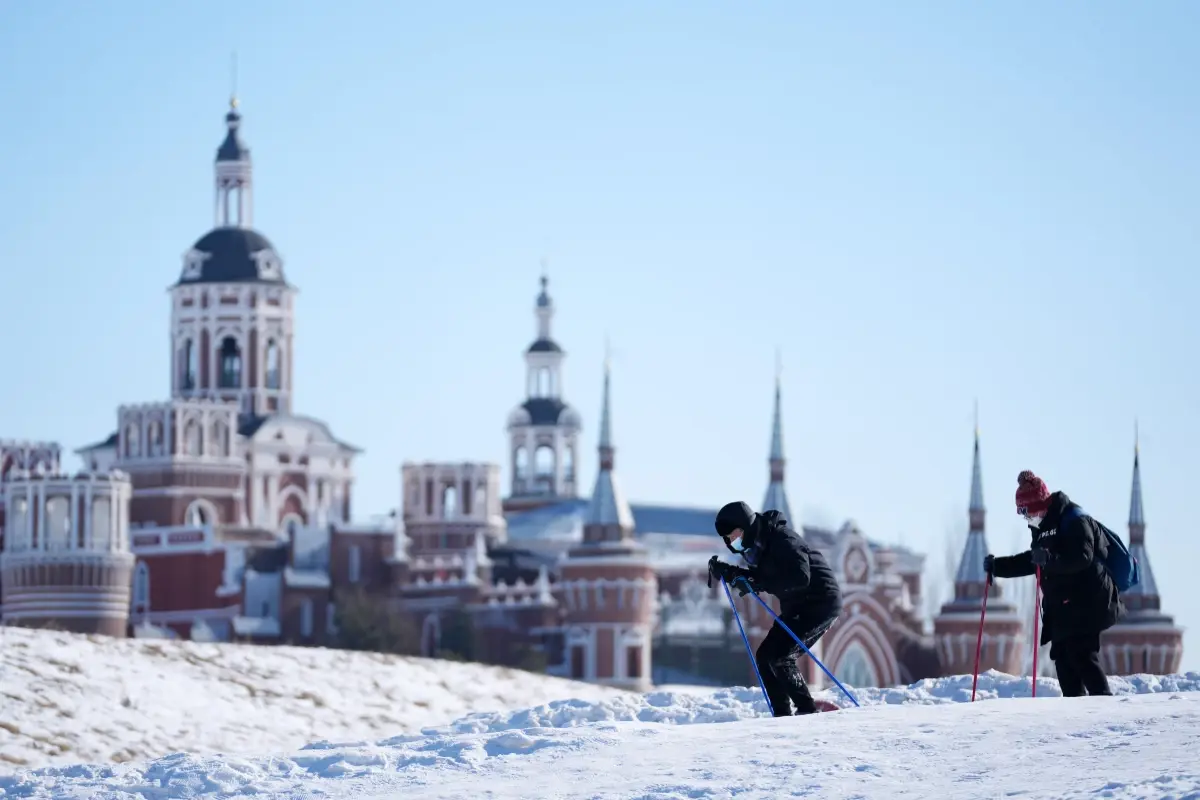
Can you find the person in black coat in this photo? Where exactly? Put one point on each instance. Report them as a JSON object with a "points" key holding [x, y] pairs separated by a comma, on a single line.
{"points": [[810, 600], [1079, 597]]}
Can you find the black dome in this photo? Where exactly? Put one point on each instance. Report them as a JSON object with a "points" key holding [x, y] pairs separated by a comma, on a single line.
{"points": [[544, 410], [544, 346], [231, 254]]}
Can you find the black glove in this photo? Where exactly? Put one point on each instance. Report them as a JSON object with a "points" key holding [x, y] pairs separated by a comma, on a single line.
{"points": [[989, 566], [729, 573], [1040, 556]]}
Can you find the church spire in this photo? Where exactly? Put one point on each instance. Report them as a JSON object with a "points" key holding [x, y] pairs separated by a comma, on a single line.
{"points": [[609, 519], [776, 497], [976, 511], [1144, 596], [970, 579], [959, 620], [1137, 517]]}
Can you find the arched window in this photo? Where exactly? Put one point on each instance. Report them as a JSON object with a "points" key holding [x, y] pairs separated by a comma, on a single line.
{"points": [[231, 364], [449, 501], [543, 465], [155, 431], [468, 497], [569, 463], [219, 438], [192, 444], [854, 668], [132, 441], [18, 535], [102, 523], [199, 514], [58, 523], [545, 383], [189, 366], [274, 379]]}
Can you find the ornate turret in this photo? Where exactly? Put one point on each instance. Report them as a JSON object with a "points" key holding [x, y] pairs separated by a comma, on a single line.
{"points": [[1146, 640], [958, 621], [543, 431], [608, 520], [608, 586]]}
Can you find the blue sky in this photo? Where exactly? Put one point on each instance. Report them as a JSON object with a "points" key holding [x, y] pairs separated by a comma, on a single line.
{"points": [[920, 204]]}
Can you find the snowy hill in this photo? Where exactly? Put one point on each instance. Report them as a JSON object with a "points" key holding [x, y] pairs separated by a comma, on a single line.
{"points": [[918, 742], [71, 699]]}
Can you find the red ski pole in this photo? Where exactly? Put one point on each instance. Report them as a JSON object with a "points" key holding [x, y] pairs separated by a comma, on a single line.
{"points": [[979, 640], [1037, 601]]}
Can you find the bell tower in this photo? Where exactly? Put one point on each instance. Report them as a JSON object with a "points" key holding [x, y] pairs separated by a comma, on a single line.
{"points": [[231, 310], [543, 431]]}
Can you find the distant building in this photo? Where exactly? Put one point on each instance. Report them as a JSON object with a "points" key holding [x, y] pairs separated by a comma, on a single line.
{"points": [[1146, 640], [221, 514]]}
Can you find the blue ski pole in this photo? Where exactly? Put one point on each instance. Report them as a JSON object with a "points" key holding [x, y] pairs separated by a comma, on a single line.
{"points": [[802, 644], [749, 650]]}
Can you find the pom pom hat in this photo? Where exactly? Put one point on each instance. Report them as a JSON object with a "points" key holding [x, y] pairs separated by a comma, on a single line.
{"points": [[1033, 498]]}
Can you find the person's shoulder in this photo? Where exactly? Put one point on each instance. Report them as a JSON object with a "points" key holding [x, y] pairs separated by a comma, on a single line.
{"points": [[783, 530]]}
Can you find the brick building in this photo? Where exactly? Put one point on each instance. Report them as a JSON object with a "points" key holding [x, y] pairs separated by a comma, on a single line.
{"points": [[220, 513]]}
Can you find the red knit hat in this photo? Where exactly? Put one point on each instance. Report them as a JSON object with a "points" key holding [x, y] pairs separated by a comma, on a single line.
{"points": [[1032, 494]]}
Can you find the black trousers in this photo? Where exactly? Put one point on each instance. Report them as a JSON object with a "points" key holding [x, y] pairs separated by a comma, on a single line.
{"points": [[776, 659], [1077, 661]]}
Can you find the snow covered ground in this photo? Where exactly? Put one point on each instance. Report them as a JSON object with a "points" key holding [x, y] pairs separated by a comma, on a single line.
{"points": [[923, 741], [67, 699]]}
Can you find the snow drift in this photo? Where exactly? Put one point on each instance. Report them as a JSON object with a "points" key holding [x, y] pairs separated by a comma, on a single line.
{"points": [[68, 698]]}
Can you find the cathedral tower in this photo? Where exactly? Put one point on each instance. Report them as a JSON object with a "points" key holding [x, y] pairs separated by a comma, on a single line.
{"points": [[231, 310], [543, 431]]}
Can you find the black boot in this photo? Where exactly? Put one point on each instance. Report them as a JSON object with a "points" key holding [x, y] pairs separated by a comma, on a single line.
{"points": [[790, 676]]}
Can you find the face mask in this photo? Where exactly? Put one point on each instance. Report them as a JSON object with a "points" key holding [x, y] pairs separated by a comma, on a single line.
{"points": [[738, 546], [1035, 519]]}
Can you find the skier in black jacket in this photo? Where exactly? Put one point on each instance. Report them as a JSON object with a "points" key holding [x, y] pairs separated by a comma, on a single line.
{"points": [[1079, 597], [810, 599]]}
